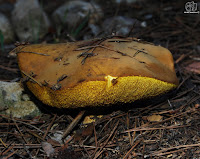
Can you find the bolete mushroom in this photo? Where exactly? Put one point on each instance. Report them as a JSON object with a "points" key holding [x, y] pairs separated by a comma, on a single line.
{"points": [[96, 72]]}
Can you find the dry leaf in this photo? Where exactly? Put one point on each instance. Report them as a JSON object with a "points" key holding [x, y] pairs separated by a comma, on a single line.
{"points": [[48, 148], [194, 67], [91, 118], [87, 131], [154, 118]]}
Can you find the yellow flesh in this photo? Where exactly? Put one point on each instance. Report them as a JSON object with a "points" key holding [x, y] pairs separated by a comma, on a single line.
{"points": [[96, 93]]}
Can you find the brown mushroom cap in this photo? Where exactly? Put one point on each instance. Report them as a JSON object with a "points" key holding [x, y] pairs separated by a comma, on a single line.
{"points": [[96, 72]]}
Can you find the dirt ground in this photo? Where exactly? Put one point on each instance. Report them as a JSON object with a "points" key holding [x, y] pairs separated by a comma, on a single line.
{"points": [[124, 131]]}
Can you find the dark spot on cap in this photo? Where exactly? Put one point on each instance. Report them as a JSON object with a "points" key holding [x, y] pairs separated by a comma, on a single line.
{"points": [[81, 80], [114, 81], [62, 77], [66, 63]]}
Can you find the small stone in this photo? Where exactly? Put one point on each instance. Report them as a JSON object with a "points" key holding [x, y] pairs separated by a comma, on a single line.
{"points": [[25, 97], [48, 148], [148, 16], [6, 29], [94, 31], [10, 92], [29, 20], [125, 1], [23, 109], [120, 24], [144, 24], [14, 102]]}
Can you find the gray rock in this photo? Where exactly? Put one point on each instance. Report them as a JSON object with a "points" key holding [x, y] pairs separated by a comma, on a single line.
{"points": [[25, 97], [9, 93], [15, 102], [22, 109], [120, 25], [29, 20], [125, 1], [73, 13], [94, 31], [6, 29]]}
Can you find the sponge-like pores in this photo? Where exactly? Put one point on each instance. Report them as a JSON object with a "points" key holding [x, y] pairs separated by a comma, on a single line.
{"points": [[96, 72]]}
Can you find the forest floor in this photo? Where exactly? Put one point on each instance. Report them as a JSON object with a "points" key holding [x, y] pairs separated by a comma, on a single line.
{"points": [[125, 131]]}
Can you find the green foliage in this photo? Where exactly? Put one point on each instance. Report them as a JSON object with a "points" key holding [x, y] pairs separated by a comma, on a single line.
{"points": [[77, 30], [2, 41]]}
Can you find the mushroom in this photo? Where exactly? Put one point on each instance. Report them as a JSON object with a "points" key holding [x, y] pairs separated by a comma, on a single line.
{"points": [[97, 72]]}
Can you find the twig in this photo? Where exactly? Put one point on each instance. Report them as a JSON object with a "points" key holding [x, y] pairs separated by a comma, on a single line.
{"points": [[31, 78], [119, 40], [20, 132], [101, 149], [73, 124], [138, 51], [105, 125], [94, 147], [95, 136], [49, 127], [127, 154], [128, 124], [22, 123], [6, 151], [15, 70], [21, 146], [36, 135], [170, 152], [32, 53], [7, 157], [160, 128], [102, 46], [3, 143], [183, 56], [177, 115], [134, 133], [176, 147]]}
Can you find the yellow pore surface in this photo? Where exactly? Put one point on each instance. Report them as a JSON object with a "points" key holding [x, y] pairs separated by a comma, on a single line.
{"points": [[97, 93]]}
